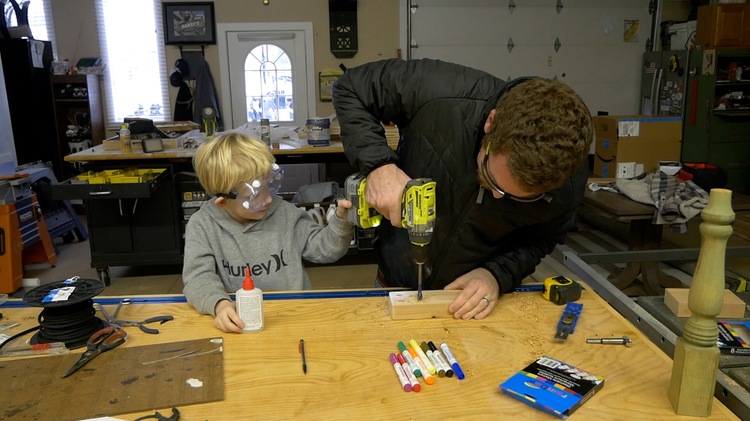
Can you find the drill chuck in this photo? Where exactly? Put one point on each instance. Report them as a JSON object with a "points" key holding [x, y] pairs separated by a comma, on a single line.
{"points": [[419, 253]]}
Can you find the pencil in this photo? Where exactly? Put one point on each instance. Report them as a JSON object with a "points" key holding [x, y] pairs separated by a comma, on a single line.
{"points": [[302, 351]]}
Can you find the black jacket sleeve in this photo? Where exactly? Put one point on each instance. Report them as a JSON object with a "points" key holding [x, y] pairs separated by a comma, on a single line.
{"points": [[393, 91]]}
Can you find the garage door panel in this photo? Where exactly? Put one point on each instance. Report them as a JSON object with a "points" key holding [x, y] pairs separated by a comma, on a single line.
{"points": [[593, 57]]}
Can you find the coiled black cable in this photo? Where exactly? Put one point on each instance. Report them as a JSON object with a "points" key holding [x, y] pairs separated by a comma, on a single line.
{"points": [[70, 320], [72, 324]]}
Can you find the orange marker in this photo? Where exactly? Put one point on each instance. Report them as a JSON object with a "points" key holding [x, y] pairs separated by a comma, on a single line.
{"points": [[425, 372]]}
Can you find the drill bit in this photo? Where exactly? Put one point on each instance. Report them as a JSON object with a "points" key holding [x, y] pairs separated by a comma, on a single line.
{"points": [[419, 282], [611, 341]]}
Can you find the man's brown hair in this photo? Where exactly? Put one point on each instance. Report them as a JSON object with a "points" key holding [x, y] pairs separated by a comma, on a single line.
{"points": [[545, 129]]}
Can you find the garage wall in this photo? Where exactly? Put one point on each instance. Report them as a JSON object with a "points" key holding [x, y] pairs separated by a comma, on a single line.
{"points": [[597, 56]]}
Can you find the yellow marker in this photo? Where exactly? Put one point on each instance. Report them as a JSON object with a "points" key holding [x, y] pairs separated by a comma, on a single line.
{"points": [[423, 356], [422, 367]]}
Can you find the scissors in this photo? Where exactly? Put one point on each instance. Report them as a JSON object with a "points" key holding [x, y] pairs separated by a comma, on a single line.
{"points": [[113, 320], [101, 341], [142, 325]]}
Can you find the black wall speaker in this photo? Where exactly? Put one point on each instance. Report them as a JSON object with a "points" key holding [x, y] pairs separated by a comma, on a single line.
{"points": [[342, 16]]}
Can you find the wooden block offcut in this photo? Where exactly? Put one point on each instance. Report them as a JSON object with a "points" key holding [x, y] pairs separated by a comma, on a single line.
{"points": [[676, 300], [403, 305]]}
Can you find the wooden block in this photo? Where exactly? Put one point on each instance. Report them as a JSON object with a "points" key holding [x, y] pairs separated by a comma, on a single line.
{"points": [[111, 145], [676, 299], [170, 143], [403, 305], [177, 126]]}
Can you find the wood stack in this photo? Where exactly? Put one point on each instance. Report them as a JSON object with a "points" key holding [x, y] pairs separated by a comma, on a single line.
{"points": [[391, 135]]}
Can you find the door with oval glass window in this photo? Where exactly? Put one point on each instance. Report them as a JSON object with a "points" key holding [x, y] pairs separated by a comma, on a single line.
{"points": [[267, 72]]}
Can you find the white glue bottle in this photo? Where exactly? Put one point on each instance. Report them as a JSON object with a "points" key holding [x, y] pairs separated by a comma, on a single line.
{"points": [[250, 304]]}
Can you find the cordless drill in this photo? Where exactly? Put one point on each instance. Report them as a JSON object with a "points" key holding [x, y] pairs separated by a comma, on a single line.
{"points": [[418, 217], [417, 214]]}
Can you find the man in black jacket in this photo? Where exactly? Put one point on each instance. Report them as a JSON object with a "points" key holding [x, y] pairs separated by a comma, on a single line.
{"points": [[508, 160]]}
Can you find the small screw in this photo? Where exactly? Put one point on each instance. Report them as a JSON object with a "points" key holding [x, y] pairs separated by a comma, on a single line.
{"points": [[611, 341]]}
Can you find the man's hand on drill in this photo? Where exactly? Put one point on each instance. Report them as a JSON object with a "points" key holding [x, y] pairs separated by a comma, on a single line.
{"points": [[476, 286], [384, 190]]}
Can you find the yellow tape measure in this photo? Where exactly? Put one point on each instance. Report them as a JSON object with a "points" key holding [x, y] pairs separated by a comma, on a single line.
{"points": [[561, 290]]}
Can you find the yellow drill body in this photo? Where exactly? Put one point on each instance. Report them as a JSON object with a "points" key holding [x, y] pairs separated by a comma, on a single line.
{"points": [[417, 214], [418, 217]]}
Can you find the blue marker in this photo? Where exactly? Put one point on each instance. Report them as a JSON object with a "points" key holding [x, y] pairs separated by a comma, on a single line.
{"points": [[452, 360]]}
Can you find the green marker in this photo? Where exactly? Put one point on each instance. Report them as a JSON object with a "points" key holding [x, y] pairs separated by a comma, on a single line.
{"points": [[409, 359]]}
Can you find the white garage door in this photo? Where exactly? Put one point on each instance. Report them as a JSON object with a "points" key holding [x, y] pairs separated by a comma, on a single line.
{"points": [[595, 46]]}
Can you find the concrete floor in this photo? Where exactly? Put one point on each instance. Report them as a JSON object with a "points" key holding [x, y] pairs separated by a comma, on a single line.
{"points": [[74, 259]]}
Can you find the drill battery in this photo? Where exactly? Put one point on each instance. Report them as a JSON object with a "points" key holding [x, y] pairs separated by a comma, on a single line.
{"points": [[361, 215], [561, 290]]}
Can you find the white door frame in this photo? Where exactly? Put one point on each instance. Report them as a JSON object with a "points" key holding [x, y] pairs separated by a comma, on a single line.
{"points": [[226, 92]]}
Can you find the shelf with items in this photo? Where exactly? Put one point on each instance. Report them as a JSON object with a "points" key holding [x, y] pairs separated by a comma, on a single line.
{"points": [[79, 120], [732, 87], [717, 125]]}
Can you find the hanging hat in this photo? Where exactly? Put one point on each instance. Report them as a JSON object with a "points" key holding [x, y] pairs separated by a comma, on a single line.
{"points": [[176, 78], [183, 67]]}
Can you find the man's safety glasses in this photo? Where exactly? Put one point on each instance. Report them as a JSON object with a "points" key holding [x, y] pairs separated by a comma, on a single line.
{"points": [[500, 192], [254, 193]]}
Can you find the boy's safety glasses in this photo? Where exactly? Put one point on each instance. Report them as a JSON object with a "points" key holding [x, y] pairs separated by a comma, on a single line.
{"points": [[254, 193]]}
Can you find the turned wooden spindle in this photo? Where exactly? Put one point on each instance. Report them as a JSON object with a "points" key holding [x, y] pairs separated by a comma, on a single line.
{"points": [[696, 355]]}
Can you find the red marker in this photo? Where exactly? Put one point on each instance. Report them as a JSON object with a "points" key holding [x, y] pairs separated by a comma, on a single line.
{"points": [[415, 386], [400, 373]]}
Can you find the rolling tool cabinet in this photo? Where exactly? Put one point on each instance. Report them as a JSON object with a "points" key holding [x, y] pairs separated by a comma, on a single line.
{"points": [[130, 223]]}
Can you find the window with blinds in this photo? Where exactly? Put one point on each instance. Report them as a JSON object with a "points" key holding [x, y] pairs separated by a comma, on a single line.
{"points": [[131, 44]]}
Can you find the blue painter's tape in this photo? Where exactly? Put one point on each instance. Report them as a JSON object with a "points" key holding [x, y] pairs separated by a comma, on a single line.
{"points": [[297, 295]]}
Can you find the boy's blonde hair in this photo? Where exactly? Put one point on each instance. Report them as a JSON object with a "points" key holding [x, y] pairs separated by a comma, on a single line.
{"points": [[224, 163]]}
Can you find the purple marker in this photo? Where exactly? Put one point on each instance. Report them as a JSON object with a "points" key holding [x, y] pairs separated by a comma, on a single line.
{"points": [[400, 373]]}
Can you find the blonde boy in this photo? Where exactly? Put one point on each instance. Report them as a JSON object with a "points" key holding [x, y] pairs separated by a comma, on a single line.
{"points": [[246, 223]]}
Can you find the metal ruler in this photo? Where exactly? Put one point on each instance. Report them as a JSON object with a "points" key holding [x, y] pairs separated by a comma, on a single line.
{"points": [[568, 320], [53, 348], [7, 325]]}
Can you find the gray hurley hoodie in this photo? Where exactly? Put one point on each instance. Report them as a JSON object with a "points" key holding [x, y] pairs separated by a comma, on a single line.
{"points": [[217, 249]]}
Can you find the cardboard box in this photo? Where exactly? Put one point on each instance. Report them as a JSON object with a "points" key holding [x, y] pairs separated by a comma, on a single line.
{"points": [[641, 139], [552, 386]]}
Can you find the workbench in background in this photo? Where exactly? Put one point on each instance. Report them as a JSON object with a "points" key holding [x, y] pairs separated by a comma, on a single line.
{"points": [[645, 240], [348, 338], [134, 224]]}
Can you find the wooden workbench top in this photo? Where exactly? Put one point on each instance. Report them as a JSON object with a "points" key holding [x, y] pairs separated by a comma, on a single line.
{"points": [[349, 374], [98, 153]]}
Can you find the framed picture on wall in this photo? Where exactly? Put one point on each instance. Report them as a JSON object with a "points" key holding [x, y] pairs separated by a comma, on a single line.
{"points": [[189, 23]]}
